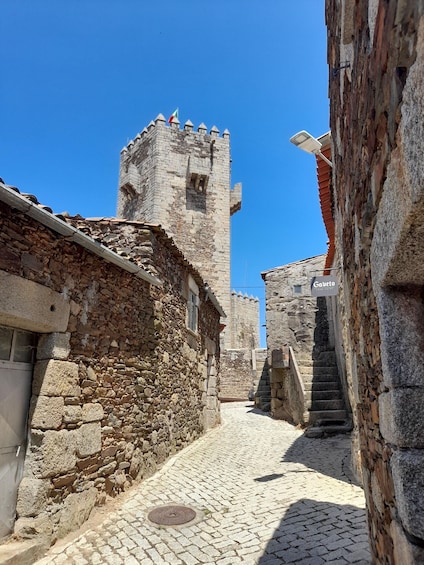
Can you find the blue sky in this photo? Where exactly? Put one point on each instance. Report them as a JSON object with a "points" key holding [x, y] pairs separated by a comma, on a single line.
{"points": [[81, 78]]}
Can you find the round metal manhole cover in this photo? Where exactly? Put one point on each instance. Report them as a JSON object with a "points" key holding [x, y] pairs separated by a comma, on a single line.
{"points": [[171, 515]]}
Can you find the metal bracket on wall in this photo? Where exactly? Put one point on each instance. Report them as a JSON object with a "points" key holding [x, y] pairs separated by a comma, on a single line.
{"points": [[335, 70]]}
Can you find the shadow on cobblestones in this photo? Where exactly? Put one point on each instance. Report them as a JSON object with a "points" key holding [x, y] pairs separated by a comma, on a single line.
{"points": [[329, 456], [312, 533]]}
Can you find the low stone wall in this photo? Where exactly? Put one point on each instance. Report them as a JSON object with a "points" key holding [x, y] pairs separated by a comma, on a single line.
{"points": [[125, 386], [237, 376]]}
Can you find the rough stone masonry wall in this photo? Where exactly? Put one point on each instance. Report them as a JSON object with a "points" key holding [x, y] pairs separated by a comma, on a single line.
{"points": [[180, 179], [237, 375], [291, 318], [124, 386], [377, 127]]}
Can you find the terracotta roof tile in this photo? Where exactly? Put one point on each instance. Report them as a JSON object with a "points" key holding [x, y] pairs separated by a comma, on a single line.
{"points": [[324, 188]]}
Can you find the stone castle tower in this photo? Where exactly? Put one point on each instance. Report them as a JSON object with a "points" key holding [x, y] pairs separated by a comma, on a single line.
{"points": [[180, 178]]}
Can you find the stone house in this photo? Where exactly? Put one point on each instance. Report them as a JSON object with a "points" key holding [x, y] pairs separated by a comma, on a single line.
{"points": [[376, 61], [109, 361], [305, 382]]}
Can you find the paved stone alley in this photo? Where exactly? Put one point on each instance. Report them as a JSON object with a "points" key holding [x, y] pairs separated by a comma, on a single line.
{"points": [[263, 494]]}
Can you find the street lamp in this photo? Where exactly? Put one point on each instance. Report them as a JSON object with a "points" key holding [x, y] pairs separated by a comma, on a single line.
{"points": [[310, 144]]}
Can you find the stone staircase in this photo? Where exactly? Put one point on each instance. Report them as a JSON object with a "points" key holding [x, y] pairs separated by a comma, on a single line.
{"points": [[325, 410], [263, 392]]}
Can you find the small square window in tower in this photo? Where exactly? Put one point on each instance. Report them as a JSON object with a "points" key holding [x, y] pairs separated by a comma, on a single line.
{"points": [[197, 184], [196, 192]]}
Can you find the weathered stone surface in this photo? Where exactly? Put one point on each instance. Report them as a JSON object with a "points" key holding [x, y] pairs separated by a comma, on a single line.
{"points": [[40, 526], [56, 378], [408, 479], [92, 412], [239, 378], [76, 510], [72, 414], [47, 412], [291, 311], [89, 440], [167, 157], [32, 496], [402, 422], [53, 346], [57, 453], [31, 306], [404, 550]]}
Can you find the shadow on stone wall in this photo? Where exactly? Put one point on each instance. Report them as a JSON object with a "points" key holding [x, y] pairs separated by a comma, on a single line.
{"points": [[321, 329], [317, 532]]}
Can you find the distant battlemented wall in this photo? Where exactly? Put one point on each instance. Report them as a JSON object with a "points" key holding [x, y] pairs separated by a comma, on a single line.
{"points": [[180, 179], [244, 318]]}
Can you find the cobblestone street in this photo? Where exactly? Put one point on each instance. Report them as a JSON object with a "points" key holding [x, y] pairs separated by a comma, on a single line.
{"points": [[263, 495]]}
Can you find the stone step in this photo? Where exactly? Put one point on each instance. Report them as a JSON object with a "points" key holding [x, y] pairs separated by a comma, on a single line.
{"points": [[329, 427], [321, 385], [320, 405], [312, 363], [320, 378], [316, 415], [318, 370], [326, 394], [328, 358]]}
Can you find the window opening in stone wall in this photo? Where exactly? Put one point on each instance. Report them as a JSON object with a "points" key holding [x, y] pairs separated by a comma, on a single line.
{"points": [[16, 345], [196, 192], [297, 289], [192, 311], [192, 305]]}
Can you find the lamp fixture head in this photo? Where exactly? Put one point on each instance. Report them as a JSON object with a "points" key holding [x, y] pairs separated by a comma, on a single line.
{"points": [[307, 142], [310, 144]]}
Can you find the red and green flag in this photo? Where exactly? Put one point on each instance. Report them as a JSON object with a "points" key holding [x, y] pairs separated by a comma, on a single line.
{"points": [[173, 116]]}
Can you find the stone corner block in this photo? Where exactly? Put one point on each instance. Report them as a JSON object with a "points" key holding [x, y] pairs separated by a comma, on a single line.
{"points": [[404, 550], [76, 510], [92, 412], [57, 453], [46, 412], [408, 479], [32, 497], [54, 346], [89, 439], [401, 422], [56, 378]]}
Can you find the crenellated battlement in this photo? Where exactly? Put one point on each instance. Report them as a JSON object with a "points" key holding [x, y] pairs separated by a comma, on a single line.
{"points": [[160, 122], [243, 297]]}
